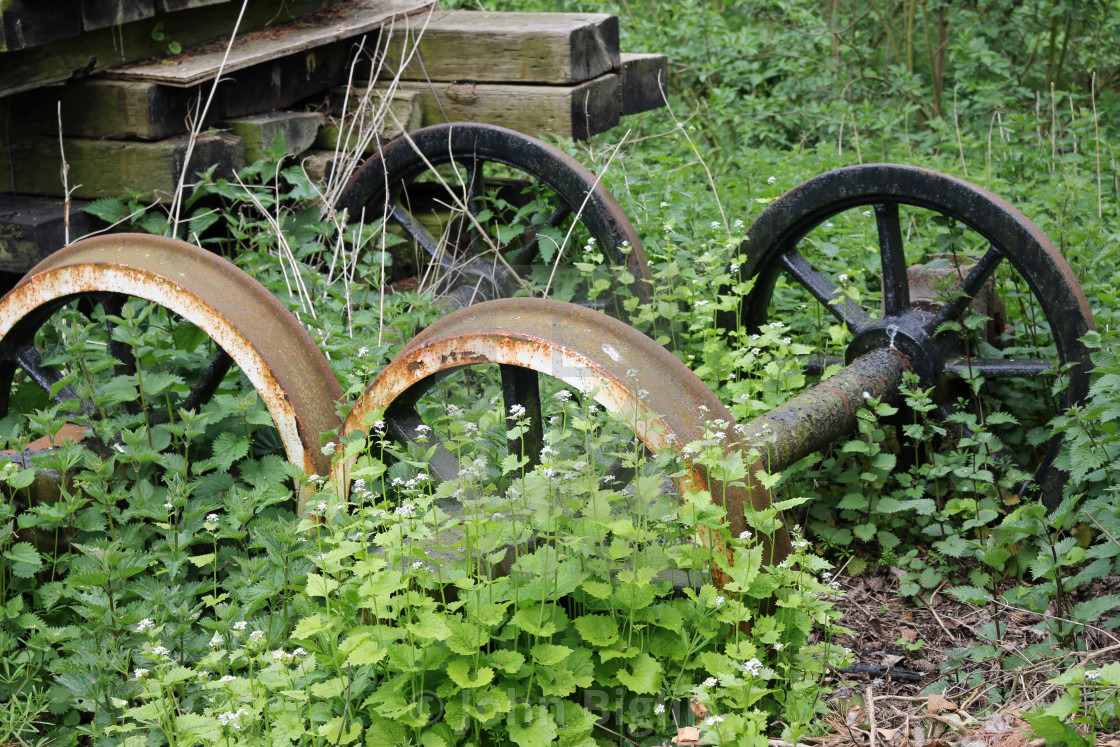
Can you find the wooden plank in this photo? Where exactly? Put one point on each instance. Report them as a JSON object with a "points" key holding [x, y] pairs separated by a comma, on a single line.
{"points": [[32, 23], [104, 108], [33, 227], [127, 109], [258, 131], [97, 14], [26, 69], [110, 168], [577, 112], [469, 45], [404, 108], [642, 82], [342, 22]]}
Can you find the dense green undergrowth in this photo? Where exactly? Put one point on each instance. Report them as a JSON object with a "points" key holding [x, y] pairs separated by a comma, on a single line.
{"points": [[173, 595]]}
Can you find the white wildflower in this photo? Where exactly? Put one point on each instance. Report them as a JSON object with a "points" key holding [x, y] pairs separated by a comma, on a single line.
{"points": [[240, 625], [710, 682], [772, 180], [517, 411], [752, 667], [659, 709], [144, 624], [718, 601], [160, 651], [329, 447]]}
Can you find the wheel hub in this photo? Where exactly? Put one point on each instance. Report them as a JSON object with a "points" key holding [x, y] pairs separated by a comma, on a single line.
{"points": [[905, 333]]}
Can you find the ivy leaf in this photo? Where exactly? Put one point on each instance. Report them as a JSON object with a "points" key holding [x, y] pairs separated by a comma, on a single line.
{"points": [[24, 558], [642, 676]]}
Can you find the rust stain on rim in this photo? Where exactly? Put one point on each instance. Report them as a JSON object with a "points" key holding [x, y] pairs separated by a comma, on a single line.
{"points": [[626, 372], [259, 333]]}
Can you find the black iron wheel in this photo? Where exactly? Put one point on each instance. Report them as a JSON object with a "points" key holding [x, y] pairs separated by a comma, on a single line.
{"points": [[986, 244], [496, 212]]}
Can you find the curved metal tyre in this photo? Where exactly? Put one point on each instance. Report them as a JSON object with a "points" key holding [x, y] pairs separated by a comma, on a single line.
{"points": [[1008, 254], [625, 372], [492, 173], [250, 327]]}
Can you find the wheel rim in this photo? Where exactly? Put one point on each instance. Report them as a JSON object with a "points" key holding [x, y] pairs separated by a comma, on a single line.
{"points": [[775, 239], [625, 371], [577, 194], [250, 326]]}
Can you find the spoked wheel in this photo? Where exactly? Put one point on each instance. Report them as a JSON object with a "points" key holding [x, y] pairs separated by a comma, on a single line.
{"points": [[1007, 314], [494, 211], [530, 340], [68, 332]]}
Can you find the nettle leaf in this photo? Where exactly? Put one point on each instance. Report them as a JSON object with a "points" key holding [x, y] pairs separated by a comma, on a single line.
{"points": [[460, 673], [969, 594], [228, 448], [643, 675], [598, 630], [1093, 609], [24, 558]]}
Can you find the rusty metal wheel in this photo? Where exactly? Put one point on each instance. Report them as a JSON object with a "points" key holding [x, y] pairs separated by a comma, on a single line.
{"points": [[982, 257], [597, 356], [227, 318], [496, 212]]}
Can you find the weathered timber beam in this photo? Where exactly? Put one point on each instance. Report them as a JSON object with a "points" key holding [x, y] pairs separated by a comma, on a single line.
{"points": [[56, 61], [111, 168], [643, 82], [577, 112], [461, 45]]}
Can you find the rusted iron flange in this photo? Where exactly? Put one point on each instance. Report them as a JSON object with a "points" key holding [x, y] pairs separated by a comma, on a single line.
{"points": [[772, 247], [262, 337], [626, 371]]}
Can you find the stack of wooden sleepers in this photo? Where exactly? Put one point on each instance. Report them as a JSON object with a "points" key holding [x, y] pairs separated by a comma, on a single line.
{"points": [[113, 87]]}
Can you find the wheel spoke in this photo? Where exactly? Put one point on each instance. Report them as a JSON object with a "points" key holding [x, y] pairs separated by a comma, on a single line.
{"points": [[967, 290], [896, 288], [529, 252], [46, 377], [824, 290], [1000, 368], [416, 232], [521, 388], [403, 424], [203, 389]]}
